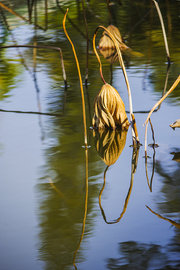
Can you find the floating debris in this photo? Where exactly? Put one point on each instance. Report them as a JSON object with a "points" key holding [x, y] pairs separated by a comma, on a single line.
{"points": [[176, 124]]}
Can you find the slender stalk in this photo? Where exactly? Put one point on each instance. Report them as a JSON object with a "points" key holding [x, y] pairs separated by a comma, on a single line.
{"points": [[163, 30], [135, 138], [43, 47], [156, 105], [80, 79]]}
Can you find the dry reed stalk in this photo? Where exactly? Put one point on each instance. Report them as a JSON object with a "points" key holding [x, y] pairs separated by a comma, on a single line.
{"points": [[163, 30], [80, 79], [155, 106], [135, 138]]}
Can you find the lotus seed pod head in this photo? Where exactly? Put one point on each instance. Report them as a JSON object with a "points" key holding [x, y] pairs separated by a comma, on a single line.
{"points": [[109, 109]]}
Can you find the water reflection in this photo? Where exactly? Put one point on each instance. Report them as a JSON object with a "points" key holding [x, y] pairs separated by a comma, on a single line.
{"points": [[143, 256], [110, 144]]}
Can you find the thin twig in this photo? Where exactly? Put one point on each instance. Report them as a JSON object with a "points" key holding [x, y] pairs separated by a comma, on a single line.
{"points": [[80, 80]]}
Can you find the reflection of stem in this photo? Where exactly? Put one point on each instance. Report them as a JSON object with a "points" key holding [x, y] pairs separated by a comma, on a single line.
{"points": [[165, 85], [163, 29], [31, 112], [133, 170], [42, 47], [152, 175], [156, 105], [177, 225], [80, 80], [55, 188], [85, 210]]}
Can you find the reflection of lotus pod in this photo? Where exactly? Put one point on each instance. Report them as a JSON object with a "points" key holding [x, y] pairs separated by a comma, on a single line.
{"points": [[107, 43], [109, 144], [176, 124], [109, 109], [110, 55]]}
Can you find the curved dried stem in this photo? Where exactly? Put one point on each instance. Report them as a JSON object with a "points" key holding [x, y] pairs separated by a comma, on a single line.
{"points": [[156, 105], [135, 138], [80, 79]]}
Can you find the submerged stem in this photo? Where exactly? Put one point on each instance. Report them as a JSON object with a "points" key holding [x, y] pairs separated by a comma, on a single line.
{"points": [[80, 79]]}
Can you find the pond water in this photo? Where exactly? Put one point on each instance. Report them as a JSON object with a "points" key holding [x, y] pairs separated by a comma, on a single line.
{"points": [[61, 207]]}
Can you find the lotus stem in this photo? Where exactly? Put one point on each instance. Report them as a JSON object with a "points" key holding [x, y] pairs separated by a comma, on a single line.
{"points": [[156, 105], [135, 138], [80, 79], [163, 30]]}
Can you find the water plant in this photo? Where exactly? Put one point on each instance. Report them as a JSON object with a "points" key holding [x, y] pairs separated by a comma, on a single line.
{"points": [[134, 135]]}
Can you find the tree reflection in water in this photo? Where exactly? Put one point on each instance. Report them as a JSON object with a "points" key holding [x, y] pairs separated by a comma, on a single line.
{"points": [[144, 256]]}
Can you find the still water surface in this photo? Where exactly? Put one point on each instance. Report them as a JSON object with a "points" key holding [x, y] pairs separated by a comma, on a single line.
{"points": [[48, 180]]}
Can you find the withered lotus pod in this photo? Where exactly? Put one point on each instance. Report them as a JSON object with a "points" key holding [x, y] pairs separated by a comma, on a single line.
{"points": [[110, 55], [109, 144], [109, 109], [107, 43]]}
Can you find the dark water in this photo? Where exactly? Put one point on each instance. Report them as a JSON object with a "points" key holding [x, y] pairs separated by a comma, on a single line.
{"points": [[61, 207]]}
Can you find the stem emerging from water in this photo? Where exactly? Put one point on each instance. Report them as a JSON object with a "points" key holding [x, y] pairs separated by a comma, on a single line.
{"points": [[80, 79]]}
